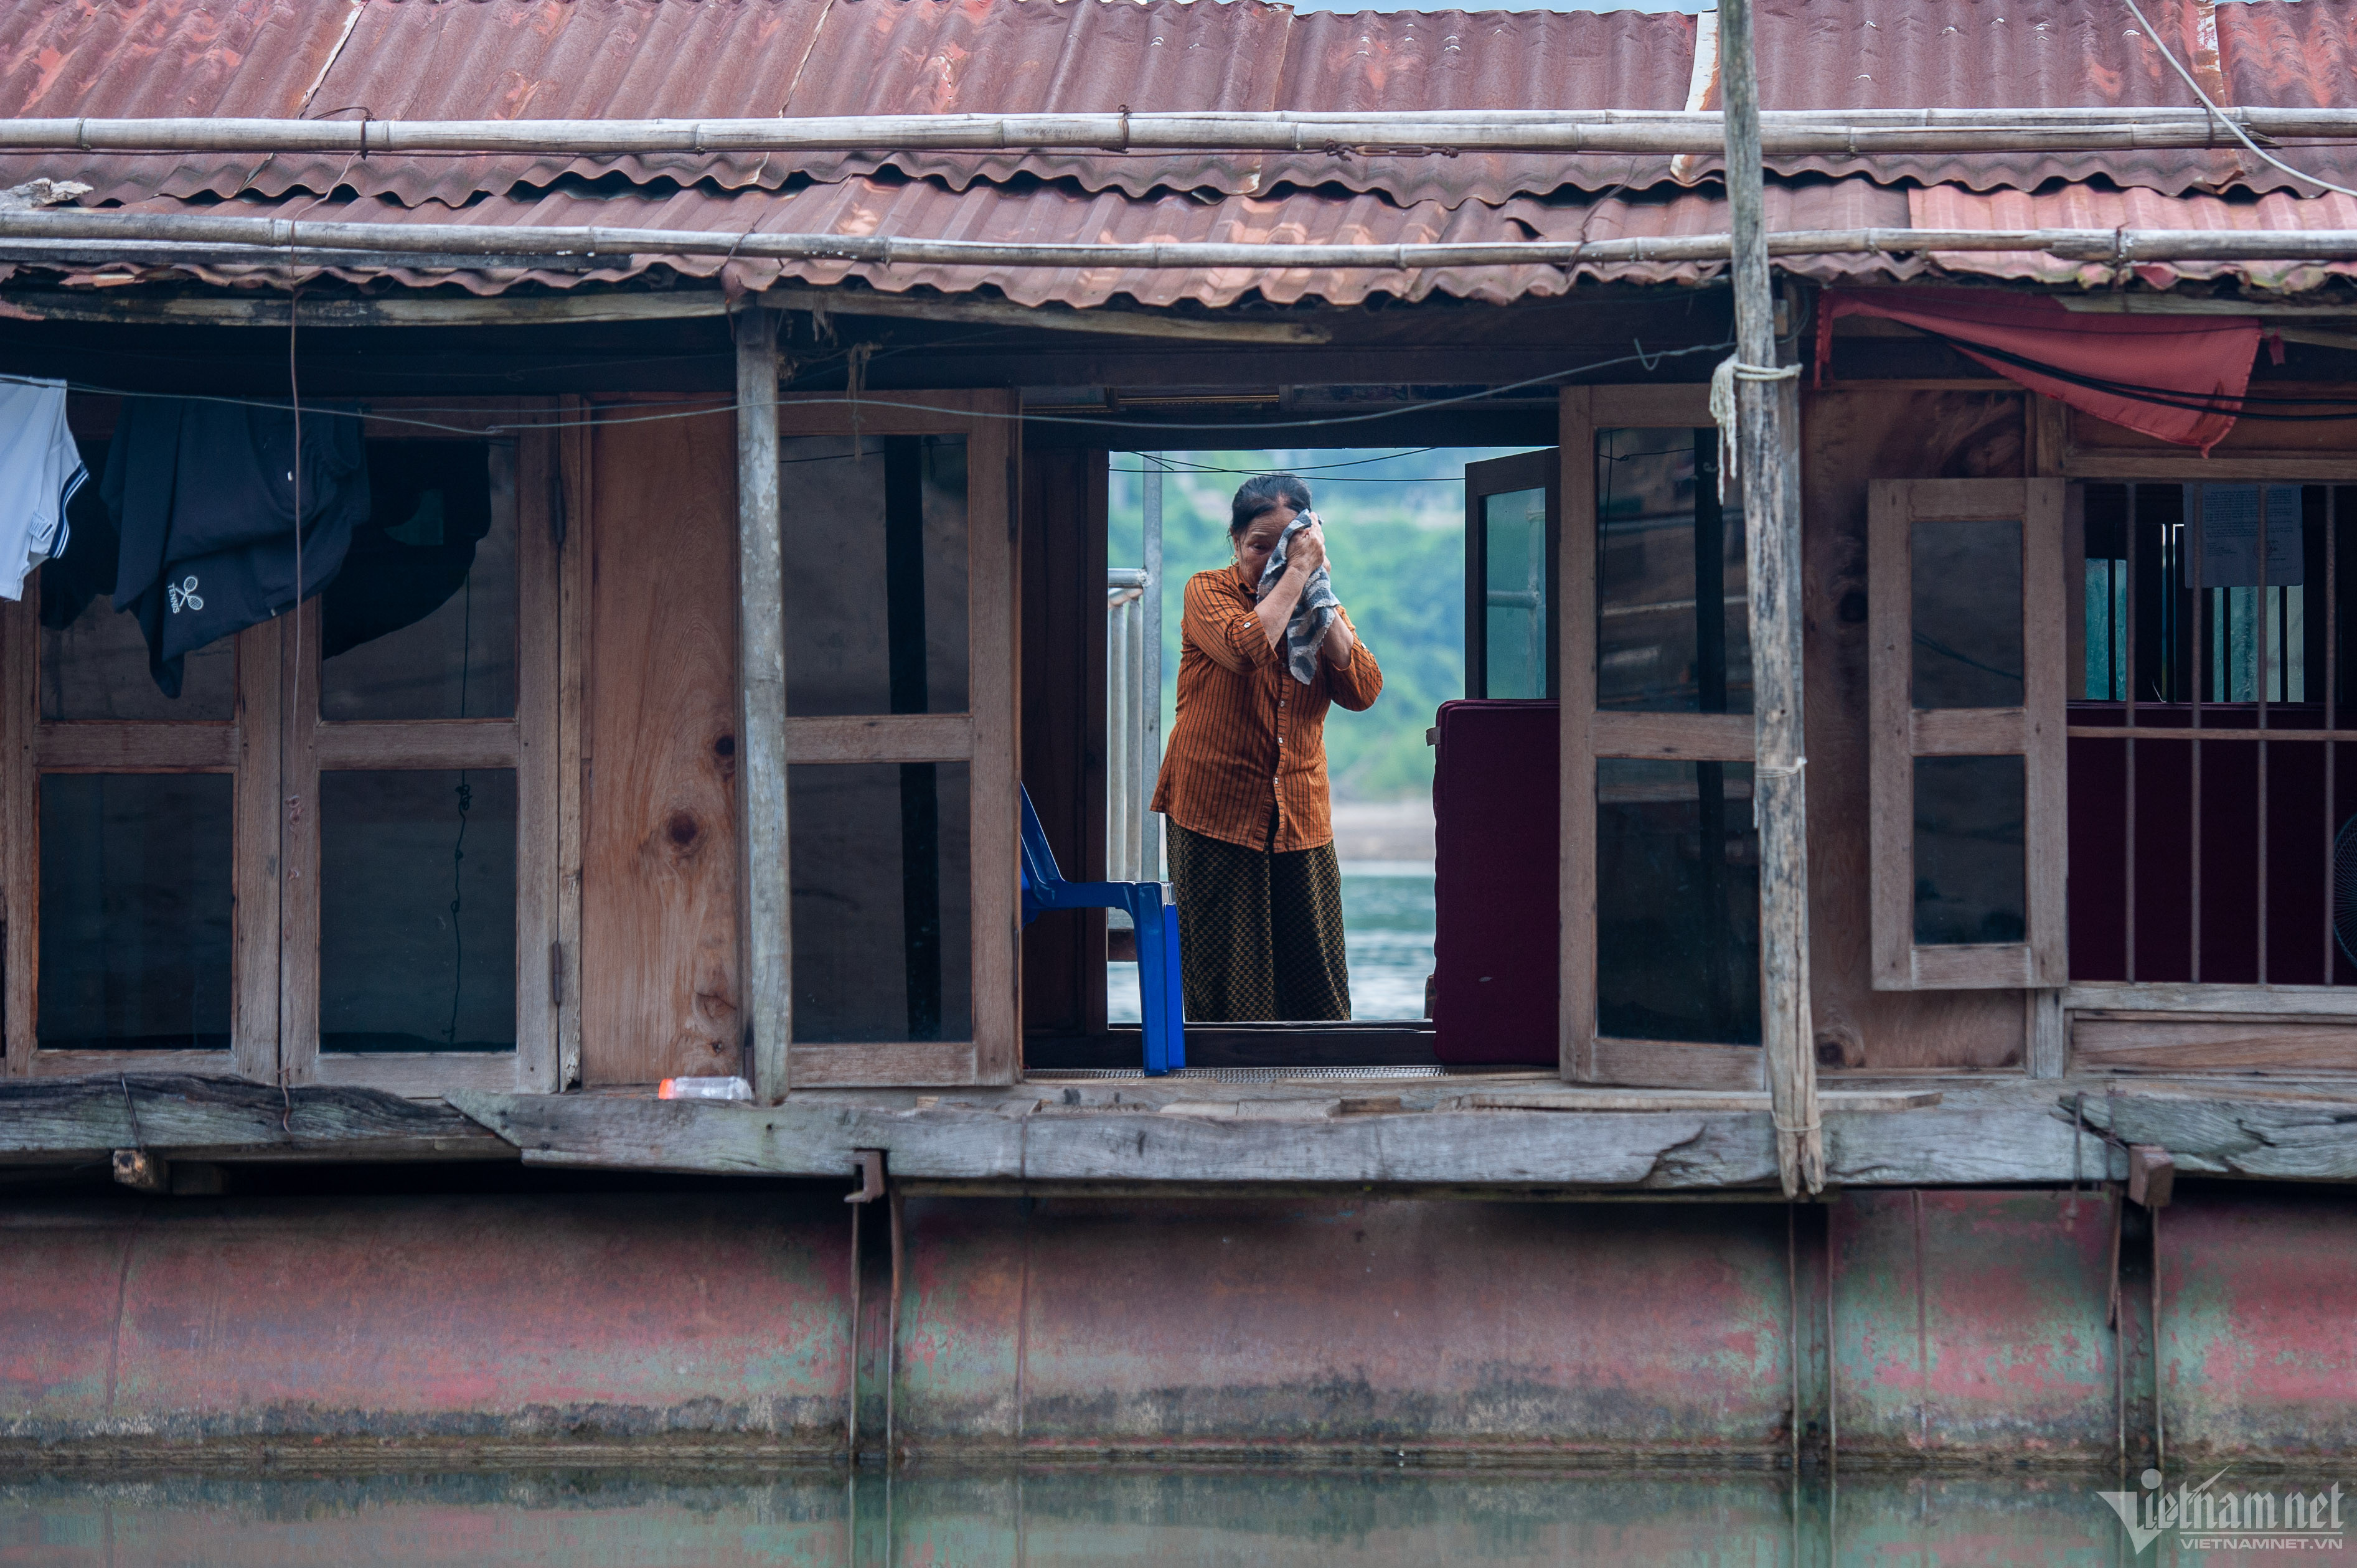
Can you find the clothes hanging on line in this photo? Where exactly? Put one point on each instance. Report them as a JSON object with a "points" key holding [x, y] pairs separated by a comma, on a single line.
{"points": [[41, 469], [203, 495]]}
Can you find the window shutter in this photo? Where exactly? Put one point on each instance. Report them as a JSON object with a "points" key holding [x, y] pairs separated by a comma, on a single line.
{"points": [[1966, 608]]}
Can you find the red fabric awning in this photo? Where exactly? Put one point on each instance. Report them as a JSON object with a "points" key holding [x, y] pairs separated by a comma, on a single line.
{"points": [[2178, 378]]}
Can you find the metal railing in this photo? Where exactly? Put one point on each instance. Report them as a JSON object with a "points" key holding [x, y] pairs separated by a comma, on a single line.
{"points": [[1134, 705]]}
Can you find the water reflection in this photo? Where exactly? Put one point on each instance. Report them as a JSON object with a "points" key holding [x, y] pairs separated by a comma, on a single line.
{"points": [[1378, 1519]]}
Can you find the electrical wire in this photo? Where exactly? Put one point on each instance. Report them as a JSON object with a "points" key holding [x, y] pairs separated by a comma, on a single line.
{"points": [[2239, 134]]}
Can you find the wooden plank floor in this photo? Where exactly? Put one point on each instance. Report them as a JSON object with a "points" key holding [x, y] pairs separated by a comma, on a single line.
{"points": [[1494, 1132]]}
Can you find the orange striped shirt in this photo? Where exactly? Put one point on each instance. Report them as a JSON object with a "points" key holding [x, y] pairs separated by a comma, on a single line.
{"points": [[1247, 734]]}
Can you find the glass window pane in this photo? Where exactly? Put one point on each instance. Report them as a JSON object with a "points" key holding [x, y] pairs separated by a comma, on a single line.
{"points": [[136, 909], [1513, 550], [1677, 902], [883, 940], [421, 622], [876, 574], [1971, 866], [1966, 591], [1672, 621], [418, 910], [94, 661]]}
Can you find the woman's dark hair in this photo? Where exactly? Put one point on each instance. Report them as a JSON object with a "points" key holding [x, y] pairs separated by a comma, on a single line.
{"points": [[1264, 493]]}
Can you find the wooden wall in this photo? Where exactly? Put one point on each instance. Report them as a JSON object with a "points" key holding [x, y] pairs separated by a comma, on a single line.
{"points": [[1063, 575], [658, 968], [1850, 436]]}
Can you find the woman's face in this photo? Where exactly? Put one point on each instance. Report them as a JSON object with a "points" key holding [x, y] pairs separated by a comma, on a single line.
{"points": [[1258, 542]]}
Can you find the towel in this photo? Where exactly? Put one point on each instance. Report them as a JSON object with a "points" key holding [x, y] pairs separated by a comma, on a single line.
{"points": [[1312, 614]]}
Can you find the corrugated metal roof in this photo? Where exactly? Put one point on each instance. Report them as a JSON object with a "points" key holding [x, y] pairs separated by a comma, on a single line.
{"points": [[154, 57], [2093, 207], [1047, 213], [649, 59], [1970, 54], [629, 58], [587, 59]]}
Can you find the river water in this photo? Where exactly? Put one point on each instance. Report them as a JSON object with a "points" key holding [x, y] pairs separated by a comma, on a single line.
{"points": [[925, 1518]]}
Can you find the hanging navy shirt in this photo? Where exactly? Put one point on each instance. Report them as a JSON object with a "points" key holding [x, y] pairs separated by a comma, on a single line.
{"points": [[203, 497]]}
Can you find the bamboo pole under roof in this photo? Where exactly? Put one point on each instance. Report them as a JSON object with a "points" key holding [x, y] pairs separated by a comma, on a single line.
{"points": [[2120, 247], [1601, 132]]}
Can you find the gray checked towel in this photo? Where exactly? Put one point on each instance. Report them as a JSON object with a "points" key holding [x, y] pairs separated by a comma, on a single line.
{"points": [[1312, 614]]}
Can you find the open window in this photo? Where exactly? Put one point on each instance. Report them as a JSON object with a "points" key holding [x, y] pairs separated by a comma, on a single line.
{"points": [[900, 737], [331, 856], [1966, 607], [1660, 864]]}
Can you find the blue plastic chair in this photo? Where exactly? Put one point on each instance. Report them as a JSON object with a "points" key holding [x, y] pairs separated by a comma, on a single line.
{"points": [[1156, 920]]}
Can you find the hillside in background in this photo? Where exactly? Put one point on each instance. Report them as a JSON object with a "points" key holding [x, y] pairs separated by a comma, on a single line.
{"points": [[1395, 531]]}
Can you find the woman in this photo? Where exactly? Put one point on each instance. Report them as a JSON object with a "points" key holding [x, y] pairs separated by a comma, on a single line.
{"points": [[1243, 781]]}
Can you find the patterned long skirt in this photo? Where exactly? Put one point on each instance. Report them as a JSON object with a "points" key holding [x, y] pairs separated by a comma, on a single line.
{"points": [[1260, 934]]}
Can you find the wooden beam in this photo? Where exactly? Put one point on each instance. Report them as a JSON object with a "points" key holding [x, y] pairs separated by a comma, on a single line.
{"points": [[1982, 1141], [1767, 412], [119, 306], [195, 1117], [2244, 1132], [765, 901], [1862, 1100]]}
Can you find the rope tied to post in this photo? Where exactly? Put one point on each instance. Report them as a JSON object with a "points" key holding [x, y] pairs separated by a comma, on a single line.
{"points": [[1730, 370]]}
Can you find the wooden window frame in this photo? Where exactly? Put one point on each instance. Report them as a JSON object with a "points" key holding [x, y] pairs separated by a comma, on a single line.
{"points": [[2169, 1026], [275, 754], [1589, 735], [2034, 732], [987, 736]]}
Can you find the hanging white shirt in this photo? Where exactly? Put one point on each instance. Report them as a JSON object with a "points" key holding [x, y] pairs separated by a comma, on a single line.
{"points": [[41, 469]]}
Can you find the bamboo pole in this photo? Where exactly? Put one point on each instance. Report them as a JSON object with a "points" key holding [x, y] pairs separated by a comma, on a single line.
{"points": [[263, 236], [761, 714], [1607, 132], [1767, 414]]}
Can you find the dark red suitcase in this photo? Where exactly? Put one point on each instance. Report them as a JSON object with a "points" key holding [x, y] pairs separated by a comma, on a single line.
{"points": [[1498, 831]]}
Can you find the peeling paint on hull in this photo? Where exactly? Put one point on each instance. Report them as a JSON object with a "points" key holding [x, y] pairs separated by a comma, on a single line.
{"points": [[1967, 1327]]}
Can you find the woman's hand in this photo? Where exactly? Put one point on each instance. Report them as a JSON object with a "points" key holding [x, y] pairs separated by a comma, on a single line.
{"points": [[1307, 551]]}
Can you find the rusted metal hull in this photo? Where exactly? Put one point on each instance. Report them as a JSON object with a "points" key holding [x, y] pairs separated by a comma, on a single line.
{"points": [[1965, 1326]]}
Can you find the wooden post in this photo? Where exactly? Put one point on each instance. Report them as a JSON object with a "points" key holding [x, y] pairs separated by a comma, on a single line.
{"points": [[768, 938], [1767, 422]]}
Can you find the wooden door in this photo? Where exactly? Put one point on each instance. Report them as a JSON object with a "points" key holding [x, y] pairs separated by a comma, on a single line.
{"points": [[1661, 913], [900, 738]]}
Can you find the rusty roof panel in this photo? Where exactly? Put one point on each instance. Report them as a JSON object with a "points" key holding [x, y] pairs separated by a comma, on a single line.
{"points": [[154, 57], [632, 58], [1483, 59], [1045, 57], [2093, 207], [1983, 54], [1047, 213], [533, 58]]}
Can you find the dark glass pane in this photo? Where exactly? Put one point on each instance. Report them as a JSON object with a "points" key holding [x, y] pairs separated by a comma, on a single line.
{"points": [[1677, 902], [1971, 870], [1673, 619], [136, 909], [883, 939], [417, 911], [876, 574], [1513, 550], [421, 622], [1968, 611]]}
